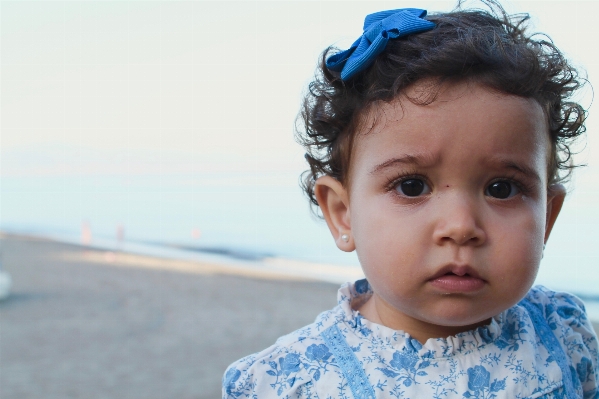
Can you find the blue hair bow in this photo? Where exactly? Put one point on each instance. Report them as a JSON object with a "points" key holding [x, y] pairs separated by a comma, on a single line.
{"points": [[378, 29]]}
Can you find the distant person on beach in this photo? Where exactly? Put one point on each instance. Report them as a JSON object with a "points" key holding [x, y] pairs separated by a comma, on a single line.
{"points": [[438, 148]]}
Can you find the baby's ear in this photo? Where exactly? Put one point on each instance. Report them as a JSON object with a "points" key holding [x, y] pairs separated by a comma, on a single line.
{"points": [[333, 200], [555, 199]]}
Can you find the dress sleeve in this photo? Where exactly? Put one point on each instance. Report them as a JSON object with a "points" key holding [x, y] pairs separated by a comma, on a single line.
{"points": [[567, 318], [237, 380], [276, 372]]}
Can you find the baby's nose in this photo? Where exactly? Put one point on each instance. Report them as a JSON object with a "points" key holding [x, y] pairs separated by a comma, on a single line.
{"points": [[458, 222]]}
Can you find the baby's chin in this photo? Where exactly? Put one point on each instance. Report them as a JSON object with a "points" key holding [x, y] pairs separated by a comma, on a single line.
{"points": [[458, 318], [462, 314], [440, 319], [444, 327], [460, 327]]}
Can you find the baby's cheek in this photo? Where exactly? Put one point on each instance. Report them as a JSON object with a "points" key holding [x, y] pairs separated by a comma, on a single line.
{"points": [[394, 270], [392, 243], [519, 251]]}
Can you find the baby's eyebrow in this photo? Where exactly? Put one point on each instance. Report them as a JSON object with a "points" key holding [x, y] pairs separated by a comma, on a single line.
{"points": [[519, 167], [418, 160]]}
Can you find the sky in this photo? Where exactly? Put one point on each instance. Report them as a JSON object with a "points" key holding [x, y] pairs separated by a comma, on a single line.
{"points": [[106, 105], [203, 86]]}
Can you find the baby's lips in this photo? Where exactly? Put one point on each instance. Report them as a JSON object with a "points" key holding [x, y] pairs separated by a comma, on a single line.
{"points": [[452, 283], [458, 270]]}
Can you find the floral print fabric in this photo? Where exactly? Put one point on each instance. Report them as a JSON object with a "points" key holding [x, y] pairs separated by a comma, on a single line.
{"points": [[505, 359]]}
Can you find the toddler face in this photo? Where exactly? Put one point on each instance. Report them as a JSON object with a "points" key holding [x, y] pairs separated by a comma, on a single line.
{"points": [[447, 206]]}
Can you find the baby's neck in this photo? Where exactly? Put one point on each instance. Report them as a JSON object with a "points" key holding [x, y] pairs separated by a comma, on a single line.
{"points": [[376, 311]]}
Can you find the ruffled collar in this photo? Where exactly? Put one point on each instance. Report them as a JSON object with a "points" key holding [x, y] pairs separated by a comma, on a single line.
{"points": [[353, 295]]}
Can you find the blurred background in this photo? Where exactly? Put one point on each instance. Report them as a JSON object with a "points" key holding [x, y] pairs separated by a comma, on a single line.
{"points": [[165, 128]]}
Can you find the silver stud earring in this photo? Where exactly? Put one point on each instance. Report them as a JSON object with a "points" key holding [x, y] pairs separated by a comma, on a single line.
{"points": [[345, 237]]}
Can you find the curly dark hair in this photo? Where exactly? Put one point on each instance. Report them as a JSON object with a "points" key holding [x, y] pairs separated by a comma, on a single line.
{"points": [[488, 47]]}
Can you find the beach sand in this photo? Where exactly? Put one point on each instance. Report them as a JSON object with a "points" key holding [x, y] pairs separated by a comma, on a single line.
{"points": [[85, 323], [94, 324]]}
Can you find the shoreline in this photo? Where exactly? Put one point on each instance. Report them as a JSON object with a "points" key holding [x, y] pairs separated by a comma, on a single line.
{"points": [[268, 267]]}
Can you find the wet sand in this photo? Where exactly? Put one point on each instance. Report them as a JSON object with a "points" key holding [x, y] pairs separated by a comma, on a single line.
{"points": [[90, 324], [85, 323]]}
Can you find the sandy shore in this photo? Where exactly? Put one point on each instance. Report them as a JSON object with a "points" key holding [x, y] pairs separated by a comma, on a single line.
{"points": [[89, 324]]}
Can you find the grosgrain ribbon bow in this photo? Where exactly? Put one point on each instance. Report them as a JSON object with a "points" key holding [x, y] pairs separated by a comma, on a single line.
{"points": [[378, 29]]}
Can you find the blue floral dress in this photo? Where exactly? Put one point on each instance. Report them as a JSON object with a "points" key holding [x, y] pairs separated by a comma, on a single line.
{"points": [[544, 347]]}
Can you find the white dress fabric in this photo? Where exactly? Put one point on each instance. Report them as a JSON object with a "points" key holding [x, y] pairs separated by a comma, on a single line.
{"points": [[343, 355]]}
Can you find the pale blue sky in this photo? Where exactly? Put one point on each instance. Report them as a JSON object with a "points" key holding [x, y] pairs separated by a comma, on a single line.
{"points": [[104, 87]]}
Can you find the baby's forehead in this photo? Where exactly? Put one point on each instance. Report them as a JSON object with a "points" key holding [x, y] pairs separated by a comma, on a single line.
{"points": [[425, 102], [472, 117]]}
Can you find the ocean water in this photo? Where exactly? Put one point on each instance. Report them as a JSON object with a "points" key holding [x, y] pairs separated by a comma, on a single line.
{"points": [[250, 218]]}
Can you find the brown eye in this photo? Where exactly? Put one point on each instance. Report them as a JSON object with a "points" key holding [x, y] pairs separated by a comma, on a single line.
{"points": [[412, 187], [502, 189]]}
